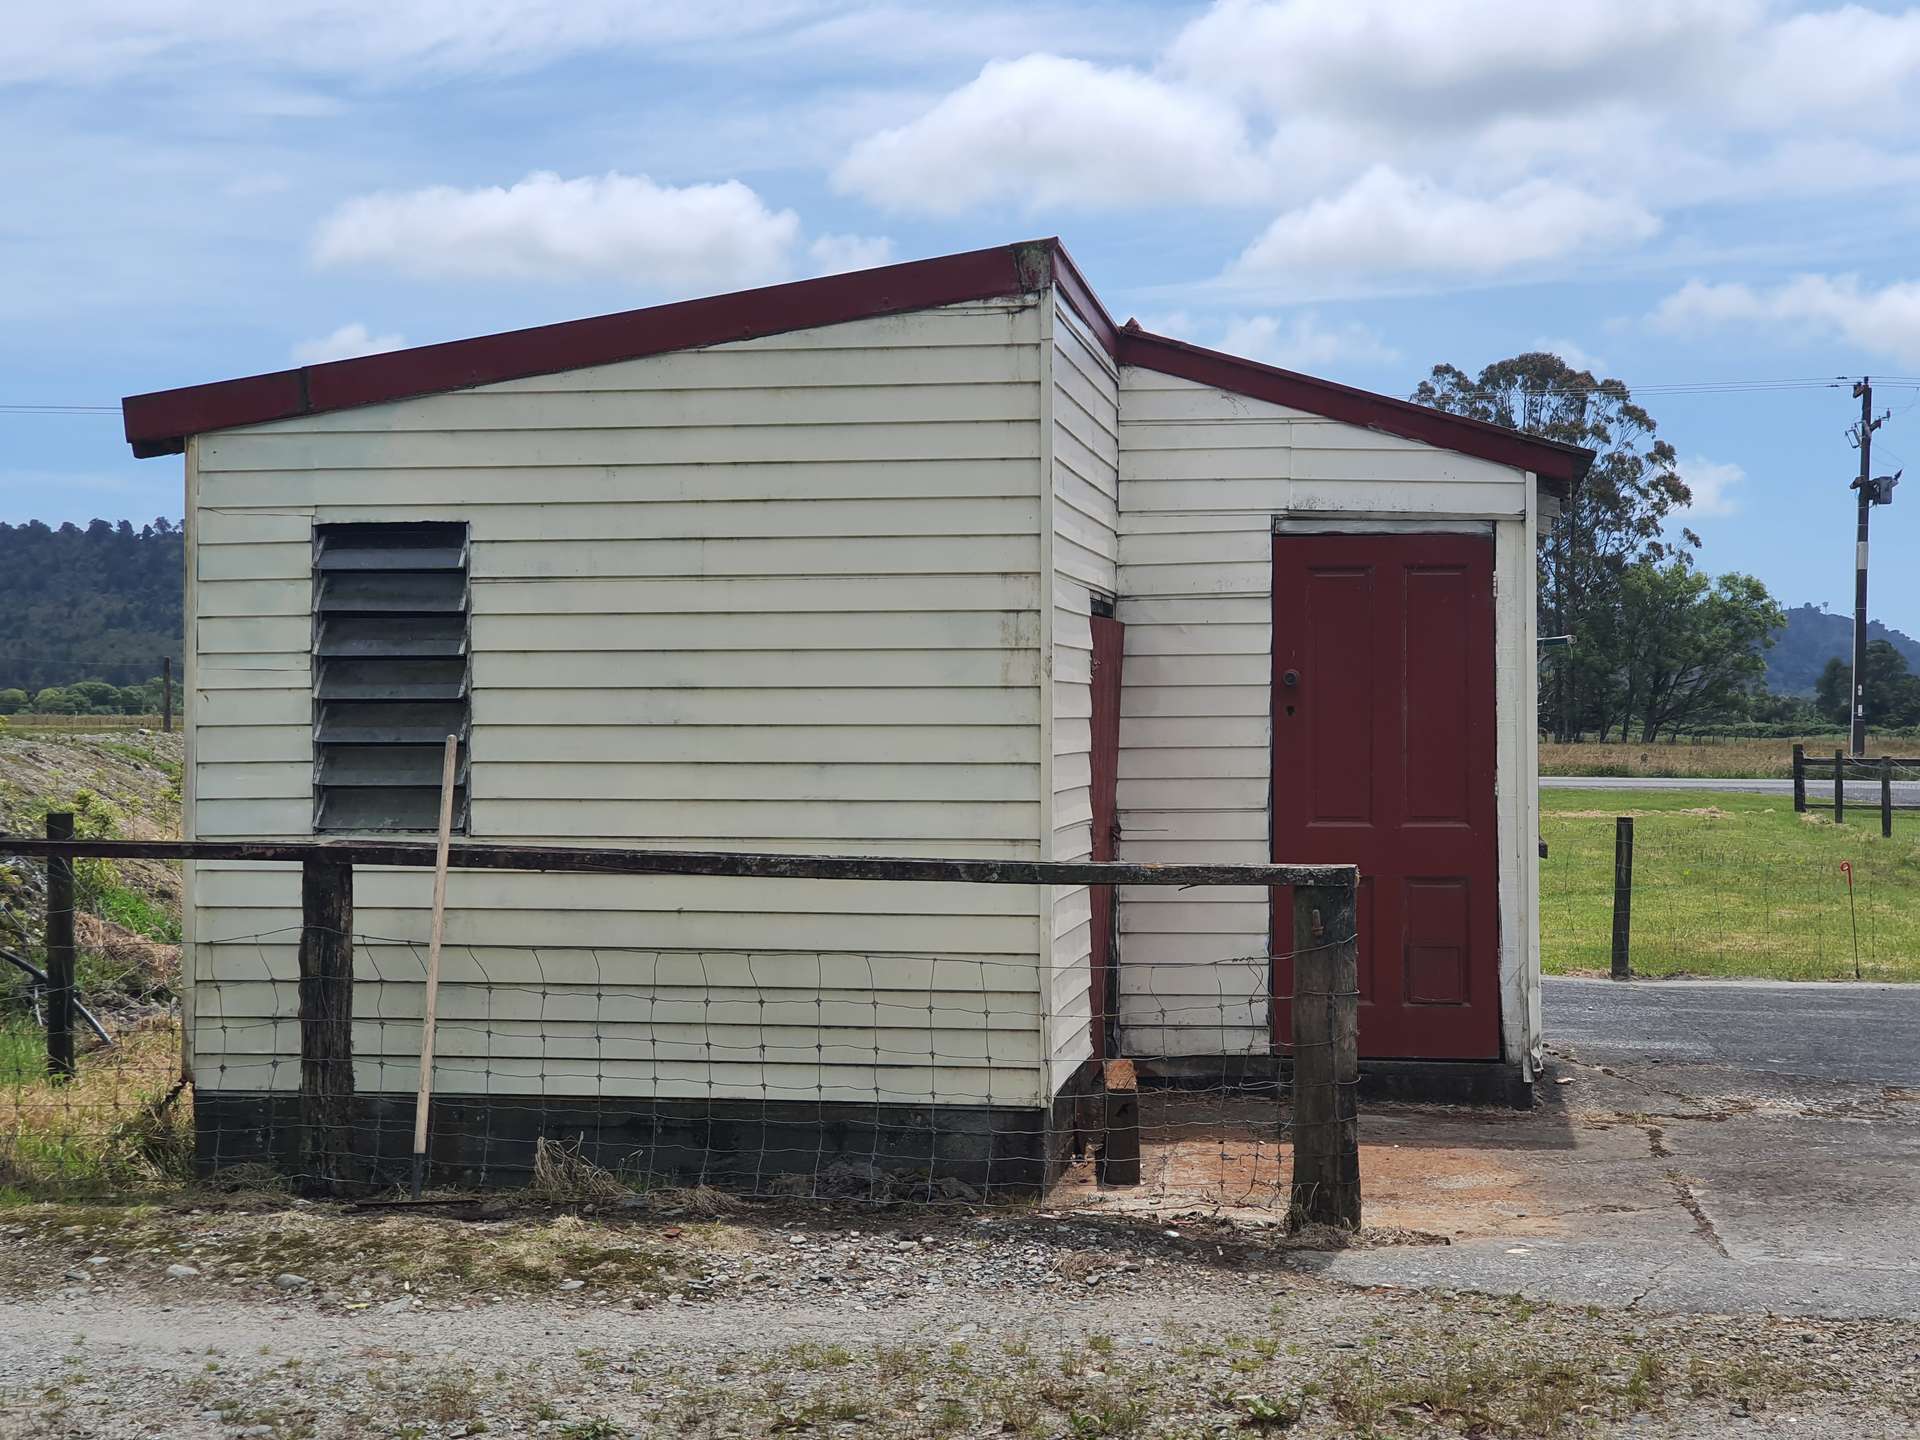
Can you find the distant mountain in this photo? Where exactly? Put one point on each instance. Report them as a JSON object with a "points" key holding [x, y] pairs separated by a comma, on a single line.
{"points": [[1811, 637]]}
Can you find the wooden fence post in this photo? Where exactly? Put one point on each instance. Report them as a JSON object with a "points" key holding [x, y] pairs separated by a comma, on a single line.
{"points": [[1839, 787], [166, 694], [60, 951], [1623, 898], [1886, 797], [1799, 779], [1326, 1058], [326, 1024]]}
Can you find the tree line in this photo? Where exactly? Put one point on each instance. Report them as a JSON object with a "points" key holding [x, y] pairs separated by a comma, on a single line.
{"points": [[92, 610], [1654, 644]]}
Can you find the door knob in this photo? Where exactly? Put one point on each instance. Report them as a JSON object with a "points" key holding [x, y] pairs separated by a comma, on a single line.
{"points": [[1290, 678]]}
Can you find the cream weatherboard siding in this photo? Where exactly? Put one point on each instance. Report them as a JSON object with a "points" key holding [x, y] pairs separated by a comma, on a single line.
{"points": [[1084, 395], [782, 594], [1204, 476]]}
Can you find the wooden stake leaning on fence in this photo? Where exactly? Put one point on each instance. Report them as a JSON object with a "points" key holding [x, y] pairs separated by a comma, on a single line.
{"points": [[423, 1099], [326, 1024], [60, 952], [1326, 1058], [1799, 779]]}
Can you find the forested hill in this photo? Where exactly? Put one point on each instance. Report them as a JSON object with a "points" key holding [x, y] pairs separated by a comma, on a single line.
{"points": [[99, 603], [1812, 636]]}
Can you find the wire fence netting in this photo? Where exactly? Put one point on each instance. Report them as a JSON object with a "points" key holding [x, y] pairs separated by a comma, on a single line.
{"points": [[596, 1072]]}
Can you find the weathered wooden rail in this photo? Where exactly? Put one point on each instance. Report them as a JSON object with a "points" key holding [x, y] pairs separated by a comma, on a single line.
{"points": [[1843, 769], [1326, 1183]]}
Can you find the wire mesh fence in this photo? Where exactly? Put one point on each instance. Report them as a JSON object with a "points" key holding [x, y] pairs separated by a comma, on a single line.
{"points": [[596, 1072]]}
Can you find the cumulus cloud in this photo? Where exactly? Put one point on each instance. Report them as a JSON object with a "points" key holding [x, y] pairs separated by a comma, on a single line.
{"points": [[1573, 352], [1883, 321], [1712, 484], [624, 227], [344, 344], [833, 254], [1389, 223], [1047, 131], [1449, 61], [1304, 342]]}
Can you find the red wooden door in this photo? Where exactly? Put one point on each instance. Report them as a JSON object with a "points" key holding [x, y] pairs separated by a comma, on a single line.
{"points": [[1383, 756], [1109, 646]]}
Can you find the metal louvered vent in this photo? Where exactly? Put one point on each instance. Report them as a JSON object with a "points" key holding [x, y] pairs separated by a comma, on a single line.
{"points": [[390, 650]]}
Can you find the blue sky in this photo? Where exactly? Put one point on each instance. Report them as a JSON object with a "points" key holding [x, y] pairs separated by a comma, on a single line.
{"points": [[1677, 192]]}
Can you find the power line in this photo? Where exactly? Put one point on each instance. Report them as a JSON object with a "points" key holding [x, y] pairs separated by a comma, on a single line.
{"points": [[11, 409]]}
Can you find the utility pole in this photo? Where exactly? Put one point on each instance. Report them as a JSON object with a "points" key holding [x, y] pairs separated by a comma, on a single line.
{"points": [[1857, 733]]}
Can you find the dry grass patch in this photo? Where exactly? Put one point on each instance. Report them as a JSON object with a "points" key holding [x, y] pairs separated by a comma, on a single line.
{"points": [[121, 1124]]}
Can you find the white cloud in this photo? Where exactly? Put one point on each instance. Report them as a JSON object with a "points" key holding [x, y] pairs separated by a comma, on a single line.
{"points": [[833, 254], [101, 39], [1303, 342], [1575, 354], [1452, 64], [1389, 223], [1712, 484], [1840, 308], [1046, 131], [348, 341], [621, 226]]}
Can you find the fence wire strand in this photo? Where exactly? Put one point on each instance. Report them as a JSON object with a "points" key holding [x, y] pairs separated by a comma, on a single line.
{"points": [[597, 1072]]}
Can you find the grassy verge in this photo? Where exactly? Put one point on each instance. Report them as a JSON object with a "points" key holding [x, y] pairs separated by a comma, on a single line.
{"points": [[117, 1127], [1729, 884], [1696, 760]]}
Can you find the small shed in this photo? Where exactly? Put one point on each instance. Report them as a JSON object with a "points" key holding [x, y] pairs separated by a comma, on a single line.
{"points": [[931, 559]]}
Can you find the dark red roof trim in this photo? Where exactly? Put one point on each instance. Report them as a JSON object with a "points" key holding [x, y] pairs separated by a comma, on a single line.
{"points": [[1551, 460], [159, 423], [1084, 303]]}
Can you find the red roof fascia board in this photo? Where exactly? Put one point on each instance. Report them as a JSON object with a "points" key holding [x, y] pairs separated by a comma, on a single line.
{"points": [[158, 423], [1552, 461], [1079, 295]]}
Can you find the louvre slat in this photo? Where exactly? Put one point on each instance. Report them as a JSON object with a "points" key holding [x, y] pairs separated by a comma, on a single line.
{"points": [[362, 591], [391, 678]]}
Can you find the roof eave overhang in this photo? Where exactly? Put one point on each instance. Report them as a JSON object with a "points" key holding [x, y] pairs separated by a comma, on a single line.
{"points": [[1558, 466], [160, 423]]}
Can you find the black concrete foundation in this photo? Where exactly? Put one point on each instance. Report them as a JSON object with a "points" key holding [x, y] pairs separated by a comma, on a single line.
{"points": [[1431, 1082], [835, 1148]]}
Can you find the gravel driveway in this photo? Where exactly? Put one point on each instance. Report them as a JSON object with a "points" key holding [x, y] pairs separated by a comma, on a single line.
{"points": [[850, 1322]]}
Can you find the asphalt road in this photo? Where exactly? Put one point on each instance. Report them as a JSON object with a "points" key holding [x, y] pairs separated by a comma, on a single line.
{"points": [[1848, 1033], [1862, 793]]}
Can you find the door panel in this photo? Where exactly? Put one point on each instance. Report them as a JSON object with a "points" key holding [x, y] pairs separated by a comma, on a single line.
{"points": [[1109, 649], [1383, 757]]}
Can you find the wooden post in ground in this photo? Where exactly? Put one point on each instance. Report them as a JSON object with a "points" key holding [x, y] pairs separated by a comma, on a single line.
{"points": [[326, 1025], [1799, 779], [1886, 798], [166, 694], [60, 951], [1839, 787], [1623, 898], [1326, 1058], [1119, 1162]]}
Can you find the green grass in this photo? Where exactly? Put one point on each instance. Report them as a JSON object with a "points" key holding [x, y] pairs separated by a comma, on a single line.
{"points": [[23, 1052], [1729, 884]]}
